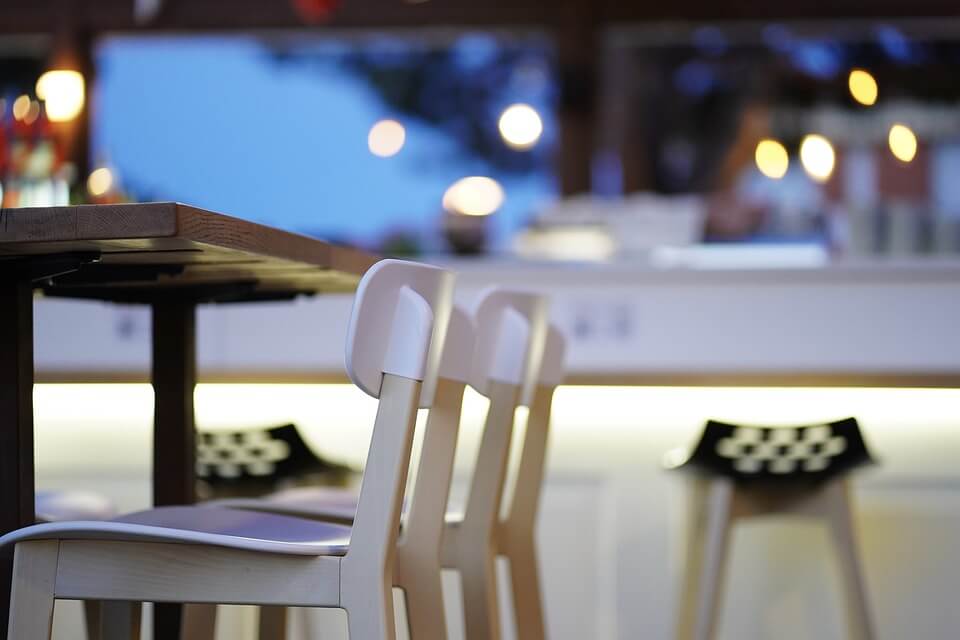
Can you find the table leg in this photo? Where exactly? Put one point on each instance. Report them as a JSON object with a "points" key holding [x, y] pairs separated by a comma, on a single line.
{"points": [[174, 434], [16, 422]]}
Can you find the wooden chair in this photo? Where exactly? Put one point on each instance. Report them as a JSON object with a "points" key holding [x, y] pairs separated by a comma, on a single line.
{"points": [[473, 541], [417, 569], [62, 505], [509, 344], [215, 555], [746, 472]]}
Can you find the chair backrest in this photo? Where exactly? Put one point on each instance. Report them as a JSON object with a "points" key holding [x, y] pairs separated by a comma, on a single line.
{"points": [[511, 332], [399, 324], [552, 368], [394, 341], [428, 506], [525, 501], [456, 359], [803, 453]]}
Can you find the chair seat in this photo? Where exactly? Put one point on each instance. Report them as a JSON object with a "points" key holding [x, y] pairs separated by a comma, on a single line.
{"points": [[315, 503], [249, 530], [56, 506]]}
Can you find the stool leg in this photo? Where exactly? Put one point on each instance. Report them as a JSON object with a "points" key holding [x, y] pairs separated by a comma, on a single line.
{"points": [[91, 618], [199, 622], [839, 516], [273, 623], [31, 597], [706, 559], [119, 620]]}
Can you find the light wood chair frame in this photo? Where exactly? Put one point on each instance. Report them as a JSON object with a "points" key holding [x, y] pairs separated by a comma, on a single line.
{"points": [[473, 544], [123, 573]]}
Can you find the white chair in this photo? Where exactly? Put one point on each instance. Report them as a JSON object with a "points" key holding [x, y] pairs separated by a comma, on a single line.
{"points": [[417, 569], [61, 505], [509, 353], [473, 542], [56, 506], [213, 555], [516, 535]]}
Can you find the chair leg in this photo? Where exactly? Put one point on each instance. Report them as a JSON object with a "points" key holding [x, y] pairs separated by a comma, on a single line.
{"points": [[369, 609], [525, 585], [31, 595], [273, 623], [199, 622], [706, 560], [839, 516], [423, 593], [119, 620]]}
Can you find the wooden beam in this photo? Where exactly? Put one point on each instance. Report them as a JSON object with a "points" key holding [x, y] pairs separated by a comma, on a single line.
{"points": [[103, 15]]}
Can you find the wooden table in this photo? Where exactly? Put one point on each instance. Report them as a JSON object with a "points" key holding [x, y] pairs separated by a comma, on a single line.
{"points": [[170, 256]]}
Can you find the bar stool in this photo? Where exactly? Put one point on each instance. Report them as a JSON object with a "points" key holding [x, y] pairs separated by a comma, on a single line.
{"points": [[254, 461], [510, 336], [745, 472], [215, 555]]}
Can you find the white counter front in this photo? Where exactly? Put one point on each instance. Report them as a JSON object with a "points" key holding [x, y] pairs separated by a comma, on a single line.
{"points": [[877, 324]]}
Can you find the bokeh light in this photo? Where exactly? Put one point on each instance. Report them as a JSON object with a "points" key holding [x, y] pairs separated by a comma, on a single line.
{"points": [[63, 93], [474, 196], [772, 159], [863, 87], [386, 138], [33, 112], [520, 126], [100, 182], [903, 142], [817, 157], [21, 107]]}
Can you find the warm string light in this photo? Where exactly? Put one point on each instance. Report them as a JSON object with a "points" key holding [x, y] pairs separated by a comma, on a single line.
{"points": [[903, 142], [817, 157], [520, 126], [772, 159], [863, 87]]}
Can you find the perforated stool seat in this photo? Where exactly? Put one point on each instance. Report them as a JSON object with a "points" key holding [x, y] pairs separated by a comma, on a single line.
{"points": [[774, 454], [743, 472]]}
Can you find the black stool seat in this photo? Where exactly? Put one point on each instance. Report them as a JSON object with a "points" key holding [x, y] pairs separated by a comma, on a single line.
{"points": [[254, 461], [753, 453]]}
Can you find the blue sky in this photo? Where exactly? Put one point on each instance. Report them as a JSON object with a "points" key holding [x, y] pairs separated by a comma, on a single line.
{"points": [[216, 123]]}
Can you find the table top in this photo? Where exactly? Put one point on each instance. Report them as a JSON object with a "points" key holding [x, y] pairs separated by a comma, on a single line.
{"points": [[138, 252]]}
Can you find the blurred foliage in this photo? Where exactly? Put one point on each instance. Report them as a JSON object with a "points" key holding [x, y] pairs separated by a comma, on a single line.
{"points": [[460, 87]]}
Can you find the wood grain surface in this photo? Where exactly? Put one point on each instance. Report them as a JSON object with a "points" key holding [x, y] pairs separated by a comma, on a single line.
{"points": [[211, 248]]}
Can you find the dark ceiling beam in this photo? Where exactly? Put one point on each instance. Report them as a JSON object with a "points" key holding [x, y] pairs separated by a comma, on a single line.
{"points": [[189, 15]]}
